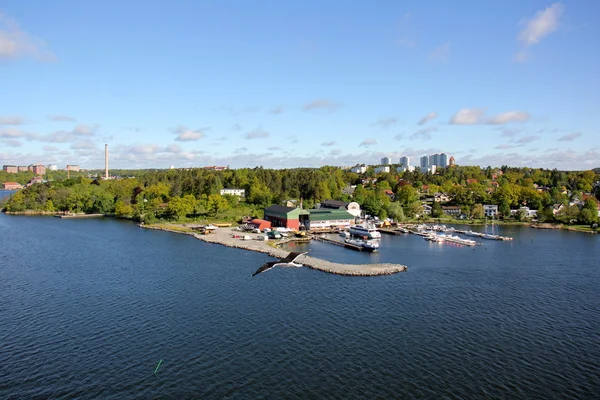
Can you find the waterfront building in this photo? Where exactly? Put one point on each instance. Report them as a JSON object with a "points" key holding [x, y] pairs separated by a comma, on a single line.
{"points": [[386, 161], [490, 210], [288, 217], [324, 219], [352, 207], [12, 186]]}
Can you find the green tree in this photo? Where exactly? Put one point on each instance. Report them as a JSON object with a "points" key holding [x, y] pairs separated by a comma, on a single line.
{"points": [[217, 204], [436, 210], [396, 212], [407, 195], [478, 212]]}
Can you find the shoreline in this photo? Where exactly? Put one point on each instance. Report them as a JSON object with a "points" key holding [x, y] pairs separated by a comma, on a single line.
{"points": [[224, 236]]}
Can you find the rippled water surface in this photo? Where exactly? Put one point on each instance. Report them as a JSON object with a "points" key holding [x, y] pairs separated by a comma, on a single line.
{"points": [[89, 307]]}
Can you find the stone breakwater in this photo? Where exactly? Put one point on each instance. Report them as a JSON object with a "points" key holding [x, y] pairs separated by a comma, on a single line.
{"points": [[224, 236]]}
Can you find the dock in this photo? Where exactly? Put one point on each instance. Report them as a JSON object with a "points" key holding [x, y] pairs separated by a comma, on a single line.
{"points": [[418, 229], [79, 215]]}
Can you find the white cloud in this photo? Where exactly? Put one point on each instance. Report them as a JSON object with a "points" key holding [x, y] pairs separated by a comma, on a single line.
{"points": [[570, 137], [441, 53], [16, 43], [185, 134], [506, 146], [424, 134], [12, 142], [509, 116], [427, 118], [406, 34], [173, 148], [14, 133], [256, 134], [84, 145], [79, 131], [473, 116], [60, 118], [328, 144], [321, 105], [368, 142], [11, 120], [528, 139], [385, 123], [467, 116], [541, 25], [276, 110]]}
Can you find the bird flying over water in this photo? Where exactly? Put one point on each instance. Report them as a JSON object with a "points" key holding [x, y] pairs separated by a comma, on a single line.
{"points": [[287, 261]]}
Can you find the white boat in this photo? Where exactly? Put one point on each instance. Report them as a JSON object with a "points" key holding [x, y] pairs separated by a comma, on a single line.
{"points": [[345, 234], [365, 230], [471, 233], [367, 244]]}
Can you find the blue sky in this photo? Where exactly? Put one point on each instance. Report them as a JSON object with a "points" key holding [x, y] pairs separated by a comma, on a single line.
{"points": [[290, 84]]}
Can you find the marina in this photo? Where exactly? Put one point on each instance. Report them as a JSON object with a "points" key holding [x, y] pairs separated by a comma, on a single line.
{"points": [[231, 238]]}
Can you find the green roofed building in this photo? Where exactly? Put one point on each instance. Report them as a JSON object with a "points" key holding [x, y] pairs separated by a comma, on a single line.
{"points": [[289, 217], [323, 218]]}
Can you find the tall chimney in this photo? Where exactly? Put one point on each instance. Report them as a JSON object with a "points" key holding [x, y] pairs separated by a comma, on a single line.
{"points": [[106, 161]]}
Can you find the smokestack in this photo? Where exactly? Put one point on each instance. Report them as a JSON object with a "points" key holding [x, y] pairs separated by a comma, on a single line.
{"points": [[106, 161]]}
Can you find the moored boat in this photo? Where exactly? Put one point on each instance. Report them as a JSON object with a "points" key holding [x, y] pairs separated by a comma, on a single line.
{"points": [[367, 230]]}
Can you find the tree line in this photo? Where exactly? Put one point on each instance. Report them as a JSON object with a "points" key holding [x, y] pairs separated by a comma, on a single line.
{"points": [[177, 194]]}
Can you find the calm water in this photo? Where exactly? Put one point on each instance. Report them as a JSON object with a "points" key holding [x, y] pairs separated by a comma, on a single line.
{"points": [[89, 307]]}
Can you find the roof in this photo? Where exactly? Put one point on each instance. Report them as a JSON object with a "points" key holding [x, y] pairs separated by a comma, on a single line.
{"points": [[334, 204], [321, 214], [260, 222], [278, 210]]}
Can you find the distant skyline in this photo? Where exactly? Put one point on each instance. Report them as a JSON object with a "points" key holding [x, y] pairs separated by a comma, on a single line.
{"points": [[299, 84]]}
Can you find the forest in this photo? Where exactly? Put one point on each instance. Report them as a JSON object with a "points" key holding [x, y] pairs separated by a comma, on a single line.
{"points": [[192, 194]]}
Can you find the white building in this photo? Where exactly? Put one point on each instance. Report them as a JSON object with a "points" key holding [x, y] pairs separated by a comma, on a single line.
{"points": [[428, 170], [382, 168], [386, 161], [405, 168], [52, 167], [233, 192], [359, 169], [490, 210]]}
